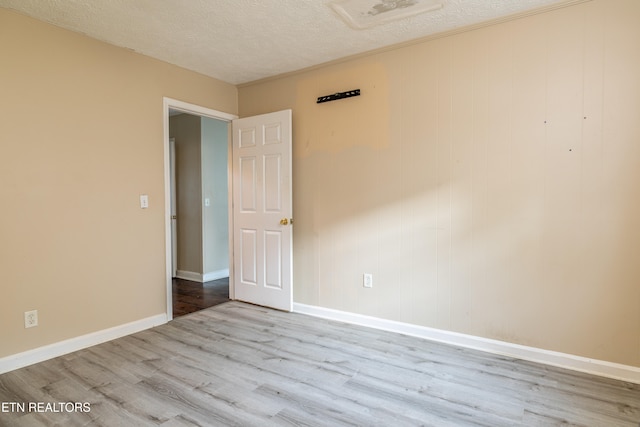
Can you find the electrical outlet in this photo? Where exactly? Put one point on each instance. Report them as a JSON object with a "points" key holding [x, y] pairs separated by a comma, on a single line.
{"points": [[367, 280], [30, 318]]}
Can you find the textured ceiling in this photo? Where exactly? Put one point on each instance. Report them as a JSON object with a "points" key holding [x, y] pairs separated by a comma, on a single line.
{"points": [[240, 41]]}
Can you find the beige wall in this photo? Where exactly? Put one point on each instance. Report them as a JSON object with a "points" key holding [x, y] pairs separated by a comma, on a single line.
{"points": [[82, 138], [489, 180], [185, 128]]}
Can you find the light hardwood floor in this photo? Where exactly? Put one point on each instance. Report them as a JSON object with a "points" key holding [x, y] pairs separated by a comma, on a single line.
{"points": [[238, 364]]}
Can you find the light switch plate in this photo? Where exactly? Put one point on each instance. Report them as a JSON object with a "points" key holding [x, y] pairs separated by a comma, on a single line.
{"points": [[144, 201], [367, 280]]}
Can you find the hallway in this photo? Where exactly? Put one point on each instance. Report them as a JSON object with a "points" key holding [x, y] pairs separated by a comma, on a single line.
{"points": [[189, 296]]}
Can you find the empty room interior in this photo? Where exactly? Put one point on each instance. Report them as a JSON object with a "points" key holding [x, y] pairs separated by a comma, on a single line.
{"points": [[464, 178]]}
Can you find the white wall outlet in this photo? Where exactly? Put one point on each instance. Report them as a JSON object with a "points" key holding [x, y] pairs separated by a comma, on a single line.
{"points": [[144, 201], [367, 280], [30, 318]]}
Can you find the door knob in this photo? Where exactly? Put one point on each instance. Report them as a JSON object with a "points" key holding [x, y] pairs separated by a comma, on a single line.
{"points": [[284, 221]]}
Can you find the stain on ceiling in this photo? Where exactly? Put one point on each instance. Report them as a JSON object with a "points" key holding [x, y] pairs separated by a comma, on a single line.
{"points": [[240, 41]]}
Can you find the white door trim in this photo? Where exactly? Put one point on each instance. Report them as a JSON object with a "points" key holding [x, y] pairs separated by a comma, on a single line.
{"points": [[174, 202], [174, 104]]}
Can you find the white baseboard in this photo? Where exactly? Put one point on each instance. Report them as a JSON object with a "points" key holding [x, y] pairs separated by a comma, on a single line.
{"points": [[552, 358], [215, 275], [20, 360], [189, 275], [206, 277]]}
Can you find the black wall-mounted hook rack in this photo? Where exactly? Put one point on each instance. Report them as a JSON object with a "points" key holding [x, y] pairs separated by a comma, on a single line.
{"points": [[339, 95]]}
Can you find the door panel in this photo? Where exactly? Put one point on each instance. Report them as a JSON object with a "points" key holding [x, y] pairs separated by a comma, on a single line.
{"points": [[272, 180], [273, 264], [248, 260], [248, 184], [262, 195]]}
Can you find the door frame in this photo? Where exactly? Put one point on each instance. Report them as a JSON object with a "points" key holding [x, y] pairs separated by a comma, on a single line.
{"points": [[197, 110], [174, 202]]}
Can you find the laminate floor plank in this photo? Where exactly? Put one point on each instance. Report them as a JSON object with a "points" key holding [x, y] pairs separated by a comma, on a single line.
{"points": [[315, 406], [239, 364]]}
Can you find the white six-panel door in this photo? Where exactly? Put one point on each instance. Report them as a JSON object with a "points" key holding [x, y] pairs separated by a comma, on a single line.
{"points": [[262, 206]]}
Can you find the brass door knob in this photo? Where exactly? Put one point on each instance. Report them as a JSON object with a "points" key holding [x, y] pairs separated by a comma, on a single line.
{"points": [[284, 221]]}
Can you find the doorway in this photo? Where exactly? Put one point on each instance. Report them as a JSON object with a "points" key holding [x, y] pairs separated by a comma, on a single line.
{"points": [[199, 217], [202, 240]]}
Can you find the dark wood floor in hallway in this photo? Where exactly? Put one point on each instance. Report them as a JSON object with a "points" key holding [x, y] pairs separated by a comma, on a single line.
{"points": [[236, 364], [189, 296]]}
